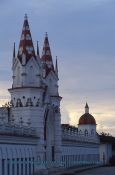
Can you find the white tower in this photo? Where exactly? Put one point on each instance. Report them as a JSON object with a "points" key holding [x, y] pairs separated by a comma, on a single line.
{"points": [[52, 129], [34, 94], [27, 90]]}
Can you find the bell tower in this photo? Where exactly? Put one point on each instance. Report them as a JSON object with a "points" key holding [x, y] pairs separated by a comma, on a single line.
{"points": [[52, 127], [34, 94], [27, 89], [26, 68]]}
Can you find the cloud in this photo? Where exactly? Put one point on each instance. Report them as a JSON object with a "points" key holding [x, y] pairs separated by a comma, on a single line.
{"points": [[4, 94], [65, 115]]}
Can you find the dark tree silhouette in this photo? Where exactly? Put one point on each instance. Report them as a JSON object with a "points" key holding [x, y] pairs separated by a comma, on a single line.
{"points": [[8, 105]]}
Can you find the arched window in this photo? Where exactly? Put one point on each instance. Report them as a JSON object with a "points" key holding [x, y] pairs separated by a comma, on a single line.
{"points": [[19, 103], [92, 132], [86, 132], [80, 132]]}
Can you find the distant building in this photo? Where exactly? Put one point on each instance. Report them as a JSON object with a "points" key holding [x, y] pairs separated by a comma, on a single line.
{"points": [[31, 135], [107, 149]]}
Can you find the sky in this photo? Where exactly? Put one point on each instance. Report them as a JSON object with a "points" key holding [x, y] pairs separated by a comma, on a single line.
{"points": [[82, 36]]}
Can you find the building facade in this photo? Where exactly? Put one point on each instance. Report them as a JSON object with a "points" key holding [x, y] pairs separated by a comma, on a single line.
{"points": [[32, 137]]}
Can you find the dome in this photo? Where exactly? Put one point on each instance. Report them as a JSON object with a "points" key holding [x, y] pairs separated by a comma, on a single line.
{"points": [[86, 119]]}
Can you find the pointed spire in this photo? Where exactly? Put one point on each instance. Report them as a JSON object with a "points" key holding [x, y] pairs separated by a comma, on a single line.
{"points": [[26, 48], [46, 53], [38, 54], [86, 108], [56, 67], [46, 58], [14, 52]]}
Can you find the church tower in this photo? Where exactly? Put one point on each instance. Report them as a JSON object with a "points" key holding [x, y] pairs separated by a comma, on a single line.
{"points": [[27, 89], [34, 94], [52, 104]]}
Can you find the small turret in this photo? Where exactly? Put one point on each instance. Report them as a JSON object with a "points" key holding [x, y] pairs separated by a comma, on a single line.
{"points": [[14, 54], [56, 67], [38, 53], [14, 51]]}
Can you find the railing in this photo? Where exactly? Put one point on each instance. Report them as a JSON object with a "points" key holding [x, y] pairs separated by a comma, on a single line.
{"points": [[80, 160], [75, 136]]}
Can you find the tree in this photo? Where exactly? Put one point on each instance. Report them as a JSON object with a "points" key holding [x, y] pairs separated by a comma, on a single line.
{"points": [[8, 105], [105, 134]]}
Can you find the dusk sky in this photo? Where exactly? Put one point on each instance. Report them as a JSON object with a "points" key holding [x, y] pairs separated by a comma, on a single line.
{"points": [[82, 36]]}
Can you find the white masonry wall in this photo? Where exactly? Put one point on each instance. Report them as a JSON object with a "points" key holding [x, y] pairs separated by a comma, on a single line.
{"points": [[79, 153], [17, 155], [105, 152]]}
